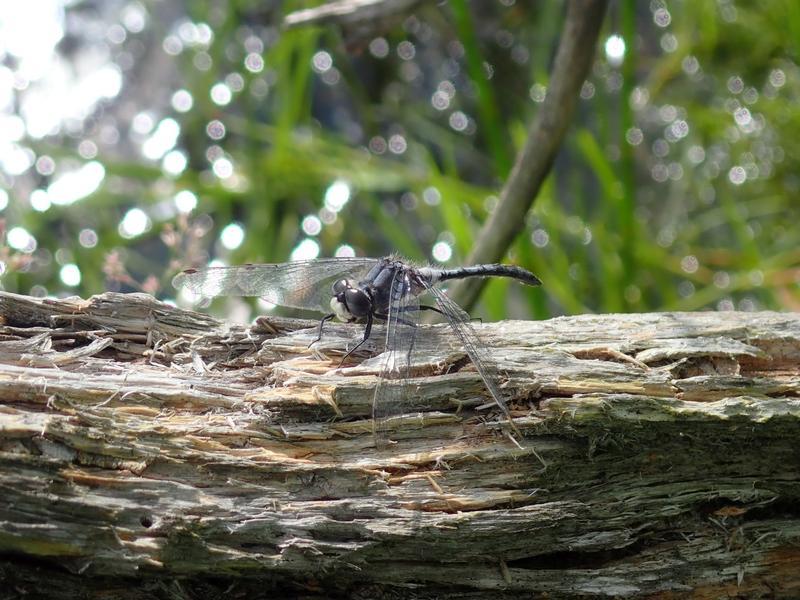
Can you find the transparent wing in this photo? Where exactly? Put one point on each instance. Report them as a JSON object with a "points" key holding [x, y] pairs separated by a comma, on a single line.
{"points": [[401, 330], [479, 355], [302, 284]]}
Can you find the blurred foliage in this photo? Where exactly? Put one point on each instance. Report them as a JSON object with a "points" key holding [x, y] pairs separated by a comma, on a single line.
{"points": [[676, 189]]}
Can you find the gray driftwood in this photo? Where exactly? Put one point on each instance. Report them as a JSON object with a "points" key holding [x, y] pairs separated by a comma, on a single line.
{"points": [[152, 452]]}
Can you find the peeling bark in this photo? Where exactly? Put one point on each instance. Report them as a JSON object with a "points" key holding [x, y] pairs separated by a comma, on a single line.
{"points": [[151, 452]]}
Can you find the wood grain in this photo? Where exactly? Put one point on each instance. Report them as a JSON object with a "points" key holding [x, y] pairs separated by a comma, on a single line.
{"points": [[149, 451]]}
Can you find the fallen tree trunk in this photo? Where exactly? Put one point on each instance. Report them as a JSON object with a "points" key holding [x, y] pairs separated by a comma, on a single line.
{"points": [[148, 451]]}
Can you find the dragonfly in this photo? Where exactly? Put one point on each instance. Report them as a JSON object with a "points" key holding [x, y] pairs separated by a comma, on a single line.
{"points": [[367, 290]]}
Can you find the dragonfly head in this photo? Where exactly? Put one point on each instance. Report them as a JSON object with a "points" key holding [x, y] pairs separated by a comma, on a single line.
{"points": [[350, 302]]}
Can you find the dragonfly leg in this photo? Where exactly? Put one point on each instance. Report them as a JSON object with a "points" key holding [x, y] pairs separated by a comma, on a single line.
{"points": [[367, 331], [319, 332], [433, 308], [386, 318], [383, 317]]}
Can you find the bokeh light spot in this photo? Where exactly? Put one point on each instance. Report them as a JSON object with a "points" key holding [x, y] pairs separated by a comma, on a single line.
{"points": [[222, 167], [88, 238], [345, 251], [163, 139], [134, 223], [182, 101], [440, 100], [19, 239], [87, 149], [70, 275], [442, 251], [406, 50], [215, 130], [232, 236], [143, 123], [397, 144], [458, 121], [311, 225], [221, 94], [308, 249], [690, 264], [254, 63], [540, 238], [45, 165], [75, 185], [737, 175], [661, 17], [379, 47], [185, 201], [40, 201], [431, 196], [337, 195], [538, 92], [321, 61], [174, 162], [615, 50], [722, 279]]}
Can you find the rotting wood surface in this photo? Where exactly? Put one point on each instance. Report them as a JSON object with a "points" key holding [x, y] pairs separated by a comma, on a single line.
{"points": [[148, 451]]}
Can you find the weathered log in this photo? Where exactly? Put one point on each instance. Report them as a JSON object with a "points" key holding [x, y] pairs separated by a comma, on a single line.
{"points": [[148, 451]]}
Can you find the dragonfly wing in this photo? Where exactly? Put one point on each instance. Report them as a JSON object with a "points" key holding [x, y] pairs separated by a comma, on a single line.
{"points": [[479, 355], [401, 330], [305, 284]]}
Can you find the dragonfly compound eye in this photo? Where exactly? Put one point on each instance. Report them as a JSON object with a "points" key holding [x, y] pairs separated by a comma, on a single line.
{"points": [[358, 302], [340, 286]]}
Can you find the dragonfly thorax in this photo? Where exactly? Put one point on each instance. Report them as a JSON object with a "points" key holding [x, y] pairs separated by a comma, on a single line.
{"points": [[350, 302]]}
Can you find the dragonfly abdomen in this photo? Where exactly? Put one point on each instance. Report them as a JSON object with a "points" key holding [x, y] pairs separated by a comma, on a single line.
{"points": [[493, 270]]}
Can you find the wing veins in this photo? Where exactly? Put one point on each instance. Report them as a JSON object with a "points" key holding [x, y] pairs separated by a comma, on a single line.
{"points": [[459, 322], [296, 284], [401, 326]]}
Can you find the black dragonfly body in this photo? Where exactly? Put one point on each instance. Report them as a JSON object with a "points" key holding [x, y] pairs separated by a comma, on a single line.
{"points": [[365, 289]]}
